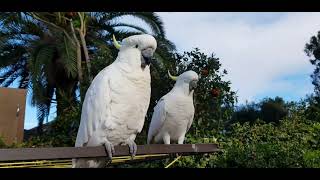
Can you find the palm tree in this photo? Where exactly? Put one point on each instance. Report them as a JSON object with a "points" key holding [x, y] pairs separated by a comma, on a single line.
{"points": [[45, 52]]}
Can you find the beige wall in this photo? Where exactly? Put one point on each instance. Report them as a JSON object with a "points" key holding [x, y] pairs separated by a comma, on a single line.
{"points": [[11, 122]]}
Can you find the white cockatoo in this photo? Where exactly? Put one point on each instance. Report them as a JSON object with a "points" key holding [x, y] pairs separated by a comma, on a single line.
{"points": [[116, 103], [174, 112]]}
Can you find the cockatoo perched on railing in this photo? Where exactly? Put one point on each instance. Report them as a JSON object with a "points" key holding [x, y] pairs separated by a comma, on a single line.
{"points": [[116, 102], [173, 114]]}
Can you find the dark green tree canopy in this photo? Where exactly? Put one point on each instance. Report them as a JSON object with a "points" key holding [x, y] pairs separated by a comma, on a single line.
{"points": [[312, 49], [268, 110], [273, 110]]}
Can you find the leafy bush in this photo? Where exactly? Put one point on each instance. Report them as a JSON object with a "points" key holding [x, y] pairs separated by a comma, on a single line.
{"points": [[313, 109], [2, 144], [295, 142], [62, 131], [268, 110]]}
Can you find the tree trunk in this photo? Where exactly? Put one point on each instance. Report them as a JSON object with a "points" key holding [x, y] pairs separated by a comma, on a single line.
{"points": [[86, 54], [78, 58]]}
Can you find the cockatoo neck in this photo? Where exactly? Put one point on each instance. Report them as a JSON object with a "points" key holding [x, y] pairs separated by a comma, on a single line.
{"points": [[130, 67], [182, 87], [130, 60]]}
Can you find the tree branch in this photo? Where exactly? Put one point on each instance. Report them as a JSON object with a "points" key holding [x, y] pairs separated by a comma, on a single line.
{"points": [[52, 24], [81, 21], [86, 54], [78, 52]]}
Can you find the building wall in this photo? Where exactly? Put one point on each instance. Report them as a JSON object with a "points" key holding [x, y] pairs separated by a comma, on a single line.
{"points": [[12, 119]]}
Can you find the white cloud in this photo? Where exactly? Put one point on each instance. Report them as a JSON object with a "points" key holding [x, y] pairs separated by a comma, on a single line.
{"points": [[255, 48]]}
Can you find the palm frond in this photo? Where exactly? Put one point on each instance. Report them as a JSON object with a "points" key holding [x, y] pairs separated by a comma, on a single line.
{"points": [[153, 21], [25, 77], [41, 114], [43, 108], [69, 56], [11, 54], [165, 44], [150, 18], [9, 76], [137, 28], [42, 55], [121, 34], [9, 80]]}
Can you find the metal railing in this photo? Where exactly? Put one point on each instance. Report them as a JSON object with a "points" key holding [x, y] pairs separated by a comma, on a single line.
{"points": [[61, 156]]}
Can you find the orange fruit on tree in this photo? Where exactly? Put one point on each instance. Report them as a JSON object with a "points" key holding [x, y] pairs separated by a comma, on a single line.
{"points": [[215, 92], [204, 72]]}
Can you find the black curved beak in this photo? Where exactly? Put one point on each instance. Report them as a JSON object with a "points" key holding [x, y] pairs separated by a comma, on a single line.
{"points": [[147, 60], [146, 57], [193, 85]]}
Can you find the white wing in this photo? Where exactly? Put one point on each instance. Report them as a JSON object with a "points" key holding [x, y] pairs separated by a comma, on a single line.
{"points": [[158, 118], [190, 122], [97, 102], [144, 111]]}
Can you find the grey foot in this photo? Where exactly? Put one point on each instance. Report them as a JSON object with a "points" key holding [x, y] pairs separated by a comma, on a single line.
{"points": [[132, 147], [109, 148]]}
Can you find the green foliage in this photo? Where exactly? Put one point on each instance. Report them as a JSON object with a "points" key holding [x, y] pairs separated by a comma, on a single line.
{"points": [[61, 132], [312, 159], [268, 110], [246, 113], [312, 49], [272, 110], [293, 142], [313, 109], [2, 144]]}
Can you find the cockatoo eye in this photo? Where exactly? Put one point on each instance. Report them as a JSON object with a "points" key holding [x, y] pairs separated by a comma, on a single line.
{"points": [[137, 46]]}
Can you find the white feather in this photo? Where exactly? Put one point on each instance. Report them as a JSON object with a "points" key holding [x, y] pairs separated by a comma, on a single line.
{"points": [[158, 118]]}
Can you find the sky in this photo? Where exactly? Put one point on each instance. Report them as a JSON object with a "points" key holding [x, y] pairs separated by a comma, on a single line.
{"points": [[262, 52]]}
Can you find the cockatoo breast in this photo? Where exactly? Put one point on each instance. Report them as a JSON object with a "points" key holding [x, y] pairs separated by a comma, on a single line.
{"points": [[179, 113]]}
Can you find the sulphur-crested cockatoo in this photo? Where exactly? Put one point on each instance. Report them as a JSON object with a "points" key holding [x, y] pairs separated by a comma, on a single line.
{"points": [[174, 112], [116, 103]]}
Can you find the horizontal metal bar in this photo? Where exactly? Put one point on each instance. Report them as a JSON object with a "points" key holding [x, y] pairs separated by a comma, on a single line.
{"points": [[134, 161], [20, 154]]}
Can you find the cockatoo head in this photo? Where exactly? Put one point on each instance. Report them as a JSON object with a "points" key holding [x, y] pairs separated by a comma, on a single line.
{"points": [[187, 79], [137, 49]]}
